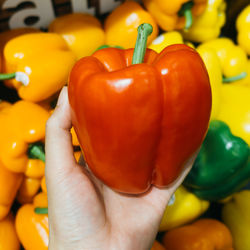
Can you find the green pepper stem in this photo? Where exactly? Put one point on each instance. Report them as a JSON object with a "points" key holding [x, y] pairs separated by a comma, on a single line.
{"points": [[41, 210], [187, 13], [188, 18], [234, 78], [7, 76], [36, 151], [144, 30], [104, 46]]}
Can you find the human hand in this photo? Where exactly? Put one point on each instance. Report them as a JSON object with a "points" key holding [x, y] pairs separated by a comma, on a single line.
{"points": [[86, 214]]}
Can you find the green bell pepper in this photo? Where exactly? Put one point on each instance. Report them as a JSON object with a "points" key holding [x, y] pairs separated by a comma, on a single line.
{"points": [[222, 166]]}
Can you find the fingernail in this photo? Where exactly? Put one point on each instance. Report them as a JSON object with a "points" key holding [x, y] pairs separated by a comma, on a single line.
{"points": [[61, 97]]}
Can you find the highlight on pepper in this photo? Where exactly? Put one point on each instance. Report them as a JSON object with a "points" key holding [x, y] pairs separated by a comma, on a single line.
{"points": [[119, 101]]}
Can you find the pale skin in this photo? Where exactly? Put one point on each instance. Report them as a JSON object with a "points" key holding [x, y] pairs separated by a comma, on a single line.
{"points": [[86, 214]]}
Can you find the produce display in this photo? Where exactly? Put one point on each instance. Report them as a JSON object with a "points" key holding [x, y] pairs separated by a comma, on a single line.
{"points": [[189, 92]]}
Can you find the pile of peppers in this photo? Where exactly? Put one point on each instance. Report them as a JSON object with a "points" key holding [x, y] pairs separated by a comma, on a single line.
{"points": [[178, 90]]}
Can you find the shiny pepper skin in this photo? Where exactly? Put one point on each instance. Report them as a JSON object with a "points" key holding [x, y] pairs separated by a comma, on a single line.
{"points": [[8, 35], [221, 167], [208, 25], [233, 59], [166, 39], [203, 234], [82, 32], [44, 61], [121, 25], [33, 228], [154, 115], [185, 208]]}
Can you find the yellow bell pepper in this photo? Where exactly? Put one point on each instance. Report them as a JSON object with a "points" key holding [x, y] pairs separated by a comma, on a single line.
{"points": [[10, 34], [166, 39], [172, 15], [212, 63], [185, 208], [9, 183], [8, 235], [32, 226], [121, 25], [32, 181], [82, 32], [233, 59], [235, 214], [208, 25], [22, 126], [38, 64], [246, 80], [243, 28], [235, 109]]}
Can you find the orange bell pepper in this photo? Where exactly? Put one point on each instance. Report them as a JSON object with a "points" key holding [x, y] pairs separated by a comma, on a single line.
{"points": [[203, 234], [32, 227], [121, 25], [157, 246], [38, 65], [9, 183], [21, 125], [8, 235], [82, 32], [172, 15]]}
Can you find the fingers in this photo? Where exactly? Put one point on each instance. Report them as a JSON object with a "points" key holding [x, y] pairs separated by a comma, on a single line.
{"points": [[58, 145]]}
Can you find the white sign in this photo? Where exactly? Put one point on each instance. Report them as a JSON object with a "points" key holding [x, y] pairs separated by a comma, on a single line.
{"points": [[82, 6], [43, 10], [108, 5]]}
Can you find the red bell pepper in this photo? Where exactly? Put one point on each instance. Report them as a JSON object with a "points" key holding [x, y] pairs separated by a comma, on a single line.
{"points": [[139, 123]]}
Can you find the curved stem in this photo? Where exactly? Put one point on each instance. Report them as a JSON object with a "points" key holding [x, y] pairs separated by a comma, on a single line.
{"points": [[7, 76], [36, 151], [144, 30], [189, 18], [41, 210], [186, 11], [234, 78]]}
